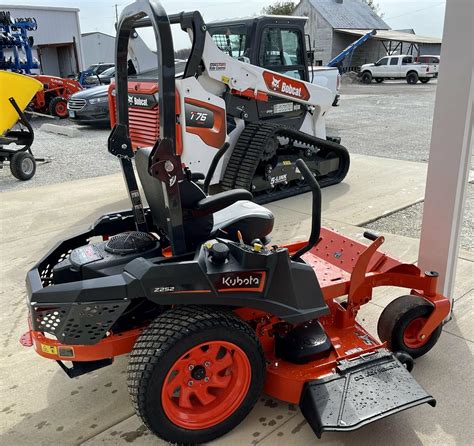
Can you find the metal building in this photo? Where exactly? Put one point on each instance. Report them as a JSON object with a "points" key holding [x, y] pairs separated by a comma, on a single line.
{"points": [[98, 48], [334, 24], [57, 41]]}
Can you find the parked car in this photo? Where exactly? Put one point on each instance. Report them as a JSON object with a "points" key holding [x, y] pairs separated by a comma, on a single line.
{"points": [[397, 67], [90, 106], [88, 77], [430, 60], [99, 68], [102, 79]]}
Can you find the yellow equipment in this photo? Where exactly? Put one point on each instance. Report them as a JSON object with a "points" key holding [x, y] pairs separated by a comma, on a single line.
{"points": [[16, 92], [22, 89]]}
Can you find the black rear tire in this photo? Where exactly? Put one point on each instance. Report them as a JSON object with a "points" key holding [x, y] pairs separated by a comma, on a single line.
{"points": [[23, 165], [168, 339], [397, 316], [58, 107], [412, 77], [366, 77], [425, 80]]}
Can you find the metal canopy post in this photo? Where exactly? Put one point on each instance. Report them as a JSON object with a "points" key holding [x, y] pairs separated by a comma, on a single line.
{"points": [[451, 147]]}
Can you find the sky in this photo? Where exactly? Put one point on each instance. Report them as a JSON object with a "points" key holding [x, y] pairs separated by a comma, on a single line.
{"points": [[426, 17]]}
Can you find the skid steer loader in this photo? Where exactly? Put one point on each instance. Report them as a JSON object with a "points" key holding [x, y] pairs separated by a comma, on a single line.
{"points": [[246, 83]]}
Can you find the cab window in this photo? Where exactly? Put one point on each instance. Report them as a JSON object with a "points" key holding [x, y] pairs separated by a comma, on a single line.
{"points": [[382, 61], [394, 61], [281, 50], [231, 40]]}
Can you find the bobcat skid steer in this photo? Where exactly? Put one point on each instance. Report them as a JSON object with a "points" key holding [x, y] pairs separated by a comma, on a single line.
{"points": [[246, 83]]}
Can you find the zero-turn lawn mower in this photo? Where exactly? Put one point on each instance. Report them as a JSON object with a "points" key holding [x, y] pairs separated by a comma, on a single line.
{"points": [[16, 91], [246, 83], [211, 313]]}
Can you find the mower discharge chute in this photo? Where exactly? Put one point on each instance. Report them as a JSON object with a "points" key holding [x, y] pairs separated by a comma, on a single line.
{"points": [[210, 312]]}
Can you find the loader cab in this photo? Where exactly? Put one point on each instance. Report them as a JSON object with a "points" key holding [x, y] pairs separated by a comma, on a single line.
{"points": [[276, 43]]}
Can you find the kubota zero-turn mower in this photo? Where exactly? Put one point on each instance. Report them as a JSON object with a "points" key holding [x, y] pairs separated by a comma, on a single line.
{"points": [[211, 313], [247, 83]]}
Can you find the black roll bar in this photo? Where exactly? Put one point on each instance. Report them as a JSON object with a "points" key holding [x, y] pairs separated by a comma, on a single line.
{"points": [[188, 21], [164, 163]]}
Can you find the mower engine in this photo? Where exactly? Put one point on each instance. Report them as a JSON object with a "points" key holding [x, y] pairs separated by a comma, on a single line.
{"points": [[105, 258]]}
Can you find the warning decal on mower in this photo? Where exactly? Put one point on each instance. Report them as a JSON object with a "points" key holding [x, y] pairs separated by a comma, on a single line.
{"points": [[49, 349]]}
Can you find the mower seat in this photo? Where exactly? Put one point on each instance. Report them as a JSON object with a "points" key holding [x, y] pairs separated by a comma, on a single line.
{"points": [[206, 217]]}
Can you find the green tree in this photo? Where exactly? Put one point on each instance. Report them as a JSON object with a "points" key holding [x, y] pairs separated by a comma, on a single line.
{"points": [[374, 7], [279, 8]]}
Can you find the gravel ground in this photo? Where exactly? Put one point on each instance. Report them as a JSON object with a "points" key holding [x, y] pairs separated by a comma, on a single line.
{"points": [[393, 120], [408, 221], [71, 158]]}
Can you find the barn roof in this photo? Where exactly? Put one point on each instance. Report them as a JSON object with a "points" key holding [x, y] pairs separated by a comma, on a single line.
{"points": [[348, 14]]}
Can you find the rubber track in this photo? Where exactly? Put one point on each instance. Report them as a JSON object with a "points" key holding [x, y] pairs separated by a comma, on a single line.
{"points": [[248, 152], [166, 331]]}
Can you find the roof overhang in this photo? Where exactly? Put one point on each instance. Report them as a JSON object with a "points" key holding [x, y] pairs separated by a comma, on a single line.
{"points": [[395, 36]]}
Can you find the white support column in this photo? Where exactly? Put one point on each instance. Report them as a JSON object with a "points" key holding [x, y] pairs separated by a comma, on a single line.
{"points": [[451, 146]]}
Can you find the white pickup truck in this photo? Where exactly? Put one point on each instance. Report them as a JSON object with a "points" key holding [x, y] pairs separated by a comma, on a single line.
{"points": [[328, 77], [397, 67]]}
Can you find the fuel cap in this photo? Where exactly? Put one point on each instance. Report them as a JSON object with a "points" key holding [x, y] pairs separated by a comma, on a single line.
{"points": [[219, 253]]}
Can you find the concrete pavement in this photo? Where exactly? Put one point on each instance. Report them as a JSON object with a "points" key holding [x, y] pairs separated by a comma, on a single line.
{"points": [[40, 405]]}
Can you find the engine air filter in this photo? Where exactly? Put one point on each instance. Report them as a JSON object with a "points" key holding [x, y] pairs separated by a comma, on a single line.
{"points": [[130, 242]]}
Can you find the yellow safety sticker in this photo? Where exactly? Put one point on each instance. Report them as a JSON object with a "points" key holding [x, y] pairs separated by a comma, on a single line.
{"points": [[49, 349], [225, 79], [286, 163]]}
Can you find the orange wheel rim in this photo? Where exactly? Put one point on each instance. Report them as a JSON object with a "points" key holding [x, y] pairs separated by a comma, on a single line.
{"points": [[61, 108], [206, 385], [410, 335]]}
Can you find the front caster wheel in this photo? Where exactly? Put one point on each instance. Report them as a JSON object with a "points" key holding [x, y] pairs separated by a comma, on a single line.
{"points": [[400, 323], [195, 373]]}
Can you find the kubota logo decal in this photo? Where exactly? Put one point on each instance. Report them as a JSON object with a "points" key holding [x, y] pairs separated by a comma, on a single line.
{"points": [[228, 281], [241, 281], [285, 85]]}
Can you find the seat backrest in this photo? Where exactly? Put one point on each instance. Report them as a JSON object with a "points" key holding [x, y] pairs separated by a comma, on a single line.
{"points": [[196, 229], [153, 189]]}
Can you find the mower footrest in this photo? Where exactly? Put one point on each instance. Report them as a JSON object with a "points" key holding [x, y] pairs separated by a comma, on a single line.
{"points": [[362, 390]]}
